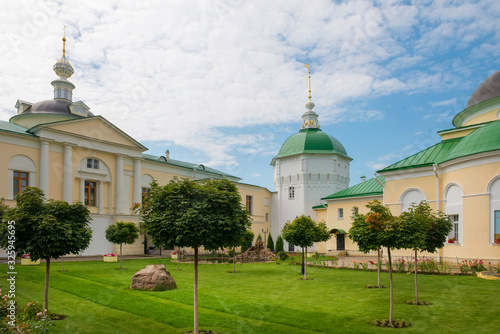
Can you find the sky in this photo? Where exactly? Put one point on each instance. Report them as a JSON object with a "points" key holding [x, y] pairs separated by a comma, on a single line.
{"points": [[223, 82]]}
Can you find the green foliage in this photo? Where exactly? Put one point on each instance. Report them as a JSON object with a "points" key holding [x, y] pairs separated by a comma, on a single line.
{"points": [[247, 240], [46, 230], [270, 242], [282, 255], [189, 214], [259, 237], [279, 244], [122, 233], [424, 230], [304, 232]]}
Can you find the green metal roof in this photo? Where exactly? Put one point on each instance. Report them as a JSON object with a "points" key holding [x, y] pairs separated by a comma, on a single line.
{"points": [[484, 139], [368, 188], [321, 206], [15, 128], [427, 157], [311, 141], [189, 165]]}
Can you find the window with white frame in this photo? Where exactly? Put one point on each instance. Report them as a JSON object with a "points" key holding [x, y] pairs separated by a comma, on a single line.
{"points": [[455, 228], [341, 213], [496, 235], [291, 193], [267, 217], [355, 210]]}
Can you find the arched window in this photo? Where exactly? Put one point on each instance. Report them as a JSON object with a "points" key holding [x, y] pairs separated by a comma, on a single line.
{"points": [[494, 191], [21, 174], [453, 207], [411, 196]]}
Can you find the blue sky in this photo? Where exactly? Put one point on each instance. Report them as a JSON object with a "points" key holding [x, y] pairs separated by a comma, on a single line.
{"points": [[223, 82]]}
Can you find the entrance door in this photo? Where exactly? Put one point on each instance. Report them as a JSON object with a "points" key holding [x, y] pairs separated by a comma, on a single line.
{"points": [[340, 242]]}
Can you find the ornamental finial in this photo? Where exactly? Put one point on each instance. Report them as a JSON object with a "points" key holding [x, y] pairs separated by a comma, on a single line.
{"points": [[64, 40]]}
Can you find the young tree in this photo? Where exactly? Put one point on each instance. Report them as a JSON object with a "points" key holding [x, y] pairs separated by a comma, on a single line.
{"points": [[425, 231], [259, 237], [122, 233], [279, 244], [247, 240], [187, 214], [47, 230], [390, 235], [270, 242], [366, 238], [304, 232]]}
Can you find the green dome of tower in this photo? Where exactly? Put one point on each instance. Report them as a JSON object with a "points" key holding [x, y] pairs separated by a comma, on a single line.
{"points": [[311, 140]]}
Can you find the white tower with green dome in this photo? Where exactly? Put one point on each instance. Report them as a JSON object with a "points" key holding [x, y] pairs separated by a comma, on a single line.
{"points": [[309, 166]]}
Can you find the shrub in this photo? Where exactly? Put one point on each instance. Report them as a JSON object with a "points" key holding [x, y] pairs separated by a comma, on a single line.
{"points": [[282, 255], [279, 244], [270, 243]]}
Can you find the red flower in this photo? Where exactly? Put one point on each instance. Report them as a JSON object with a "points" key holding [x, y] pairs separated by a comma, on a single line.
{"points": [[109, 254], [26, 256], [174, 253]]}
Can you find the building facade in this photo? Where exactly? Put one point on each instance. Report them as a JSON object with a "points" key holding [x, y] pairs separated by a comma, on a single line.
{"points": [[61, 147]]}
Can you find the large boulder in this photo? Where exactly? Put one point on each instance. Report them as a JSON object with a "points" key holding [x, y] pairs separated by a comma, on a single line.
{"points": [[154, 278]]}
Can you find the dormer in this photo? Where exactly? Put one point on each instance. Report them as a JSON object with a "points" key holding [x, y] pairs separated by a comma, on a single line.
{"points": [[21, 106], [79, 108]]}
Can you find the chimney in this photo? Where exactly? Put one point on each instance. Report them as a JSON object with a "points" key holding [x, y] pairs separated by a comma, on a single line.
{"points": [[363, 178]]}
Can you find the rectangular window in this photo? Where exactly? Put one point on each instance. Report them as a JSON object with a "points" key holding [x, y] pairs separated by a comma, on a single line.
{"points": [[145, 192], [291, 193], [454, 234], [341, 213], [92, 163], [266, 201], [90, 193], [249, 204], [21, 181], [267, 217], [497, 226], [355, 210]]}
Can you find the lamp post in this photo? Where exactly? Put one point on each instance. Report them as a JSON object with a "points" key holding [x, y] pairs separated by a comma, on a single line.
{"points": [[265, 239]]}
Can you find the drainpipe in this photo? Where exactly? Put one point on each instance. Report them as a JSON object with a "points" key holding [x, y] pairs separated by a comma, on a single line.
{"points": [[437, 198], [376, 179]]}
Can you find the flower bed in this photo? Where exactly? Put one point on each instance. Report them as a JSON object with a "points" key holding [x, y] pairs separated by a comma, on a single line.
{"points": [[26, 261], [110, 258]]}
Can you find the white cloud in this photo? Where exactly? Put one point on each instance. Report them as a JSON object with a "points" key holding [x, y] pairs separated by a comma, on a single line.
{"points": [[185, 72]]}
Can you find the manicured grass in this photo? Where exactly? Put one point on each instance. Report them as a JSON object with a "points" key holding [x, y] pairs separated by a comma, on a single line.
{"points": [[261, 298]]}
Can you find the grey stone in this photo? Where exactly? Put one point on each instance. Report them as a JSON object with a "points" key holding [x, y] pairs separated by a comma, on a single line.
{"points": [[153, 278]]}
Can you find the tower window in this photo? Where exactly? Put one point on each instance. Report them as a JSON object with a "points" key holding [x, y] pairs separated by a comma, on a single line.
{"points": [[21, 181], [341, 213], [291, 193]]}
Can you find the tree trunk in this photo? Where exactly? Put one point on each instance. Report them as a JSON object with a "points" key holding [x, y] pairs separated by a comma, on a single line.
{"points": [[391, 286], [302, 267], [234, 260], [178, 259], [305, 267], [121, 256], [62, 263], [196, 327], [378, 266], [46, 289], [416, 282]]}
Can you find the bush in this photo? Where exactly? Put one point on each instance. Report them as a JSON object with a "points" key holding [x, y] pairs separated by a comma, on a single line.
{"points": [[279, 244], [282, 255], [270, 243]]}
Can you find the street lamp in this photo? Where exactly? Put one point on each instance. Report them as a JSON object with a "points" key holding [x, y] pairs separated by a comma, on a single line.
{"points": [[265, 239]]}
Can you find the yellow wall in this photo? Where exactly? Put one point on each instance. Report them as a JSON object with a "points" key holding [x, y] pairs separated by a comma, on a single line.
{"points": [[486, 117], [259, 209]]}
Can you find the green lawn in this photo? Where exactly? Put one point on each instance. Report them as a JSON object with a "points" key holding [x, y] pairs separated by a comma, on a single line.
{"points": [[261, 298]]}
